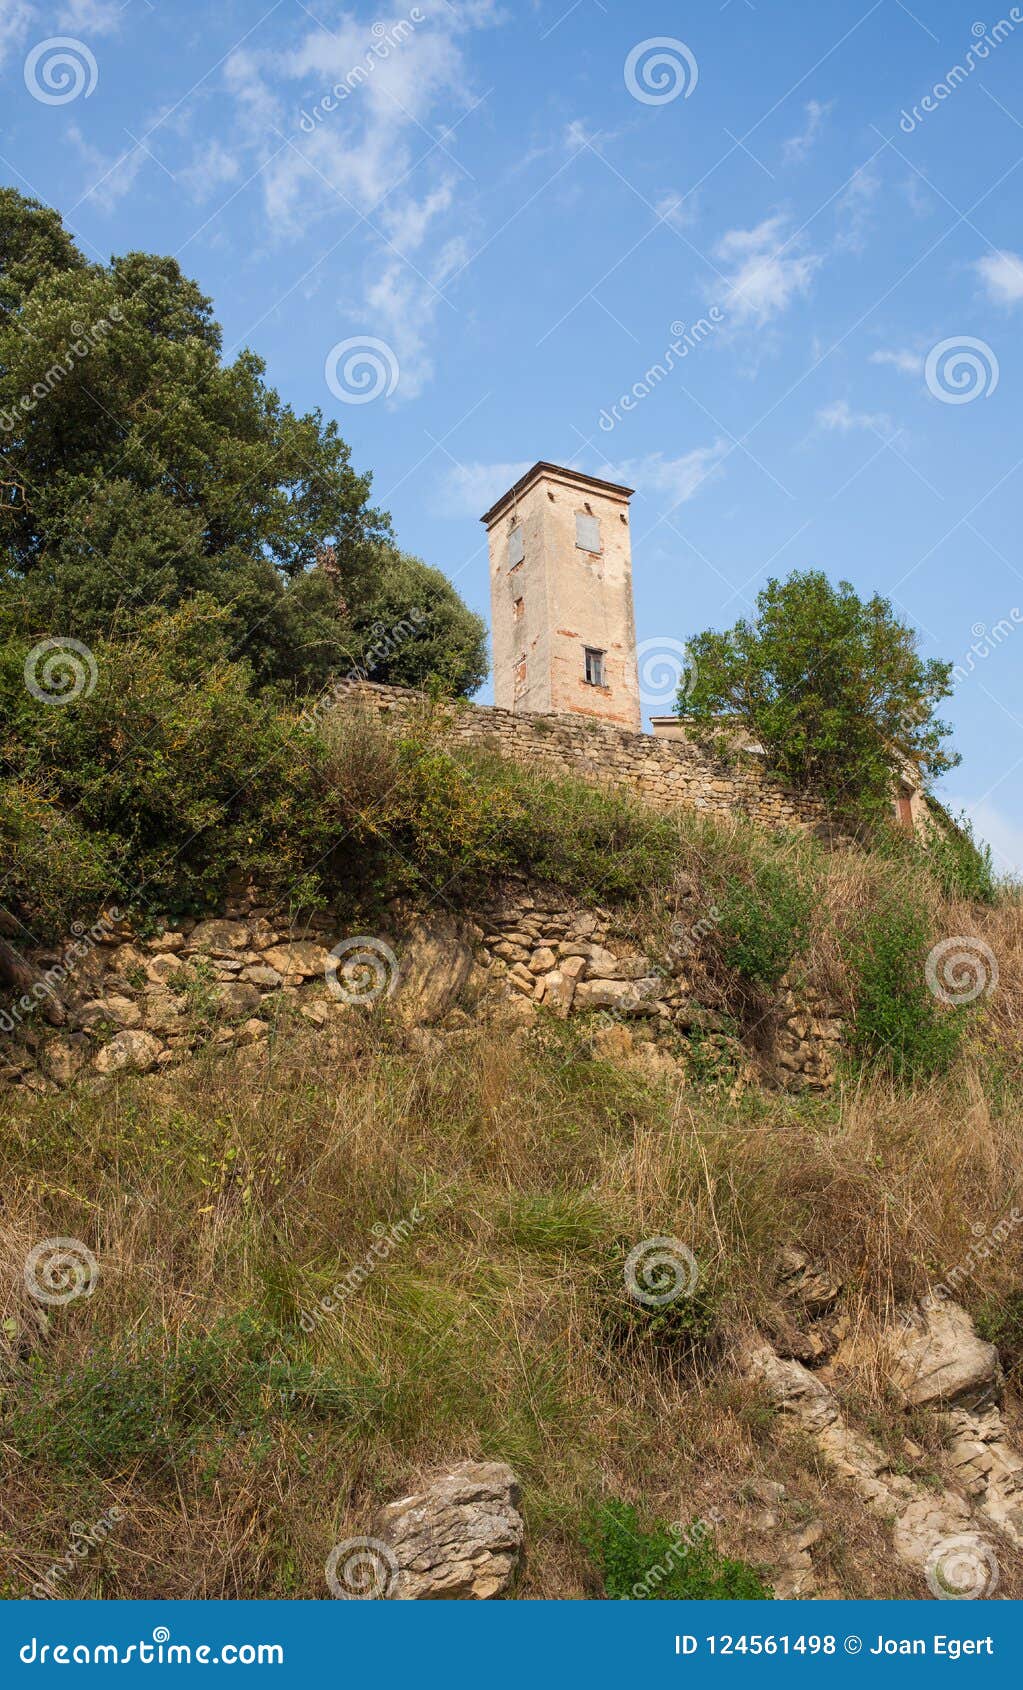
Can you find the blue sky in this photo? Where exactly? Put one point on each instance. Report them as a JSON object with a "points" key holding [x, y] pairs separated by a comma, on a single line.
{"points": [[519, 204]]}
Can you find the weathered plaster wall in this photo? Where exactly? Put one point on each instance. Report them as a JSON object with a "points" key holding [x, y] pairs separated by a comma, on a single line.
{"points": [[560, 599]]}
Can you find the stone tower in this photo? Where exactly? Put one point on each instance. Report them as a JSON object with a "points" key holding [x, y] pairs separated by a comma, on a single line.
{"points": [[561, 597]]}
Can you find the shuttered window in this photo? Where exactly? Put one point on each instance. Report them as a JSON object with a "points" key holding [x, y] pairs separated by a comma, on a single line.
{"points": [[516, 550], [587, 532], [594, 661]]}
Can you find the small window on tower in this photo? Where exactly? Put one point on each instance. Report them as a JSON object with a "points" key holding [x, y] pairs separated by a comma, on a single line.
{"points": [[518, 607], [594, 667], [516, 550], [587, 532]]}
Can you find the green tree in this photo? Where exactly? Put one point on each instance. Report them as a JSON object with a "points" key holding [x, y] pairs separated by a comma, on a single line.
{"points": [[831, 686], [413, 627], [140, 469]]}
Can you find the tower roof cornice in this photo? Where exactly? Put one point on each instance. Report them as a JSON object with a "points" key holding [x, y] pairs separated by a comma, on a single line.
{"points": [[555, 472]]}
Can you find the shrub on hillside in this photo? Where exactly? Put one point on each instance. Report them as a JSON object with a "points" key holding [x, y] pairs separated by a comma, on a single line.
{"points": [[663, 1563], [165, 778], [898, 1023], [764, 921]]}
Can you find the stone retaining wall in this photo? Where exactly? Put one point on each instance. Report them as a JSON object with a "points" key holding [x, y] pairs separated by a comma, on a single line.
{"points": [[663, 772], [139, 1002]]}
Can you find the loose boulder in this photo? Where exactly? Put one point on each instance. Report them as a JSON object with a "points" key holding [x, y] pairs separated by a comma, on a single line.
{"points": [[459, 1538], [938, 1358]]}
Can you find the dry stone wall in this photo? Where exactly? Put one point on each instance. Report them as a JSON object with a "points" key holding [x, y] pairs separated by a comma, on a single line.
{"points": [[661, 771], [143, 1002]]}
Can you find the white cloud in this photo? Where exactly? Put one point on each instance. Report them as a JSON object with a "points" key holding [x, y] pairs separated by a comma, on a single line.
{"points": [[681, 478], [769, 271], [111, 175], [907, 363], [840, 418], [211, 168], [1004, 836], [408, 222], [471, 489], [1002, 275], [797, 146], [97, 17], [358, 122], [854, 209], [15, 19], [678, 209]]}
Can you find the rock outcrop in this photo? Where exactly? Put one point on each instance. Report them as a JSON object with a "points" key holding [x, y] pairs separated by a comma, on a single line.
{"points": [[459, 1538]]}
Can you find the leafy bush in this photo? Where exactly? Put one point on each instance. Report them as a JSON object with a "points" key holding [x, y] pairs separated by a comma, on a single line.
{"points": [[764, 922], [898, 1023], [166, 778], [961, 867], [1000, 1321], [684, 1324], [663, 1563], [422, 816]]}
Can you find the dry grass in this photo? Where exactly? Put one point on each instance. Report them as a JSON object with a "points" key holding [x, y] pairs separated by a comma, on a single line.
{"points": [[225, 1200]]}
